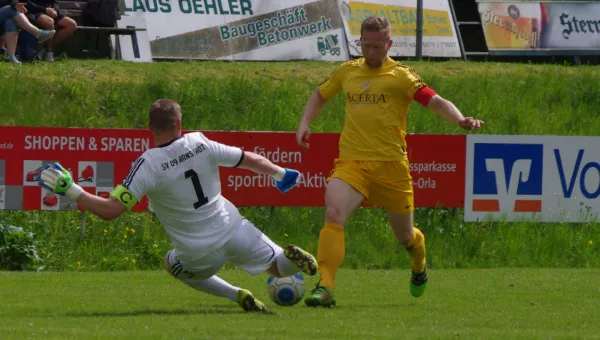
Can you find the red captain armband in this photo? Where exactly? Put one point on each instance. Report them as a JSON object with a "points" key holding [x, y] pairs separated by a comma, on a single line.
{"points": [[424, 94]]}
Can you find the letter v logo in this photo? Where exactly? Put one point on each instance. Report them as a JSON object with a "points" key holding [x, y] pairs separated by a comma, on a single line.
{"points": [[507, 192], [507, 177]]}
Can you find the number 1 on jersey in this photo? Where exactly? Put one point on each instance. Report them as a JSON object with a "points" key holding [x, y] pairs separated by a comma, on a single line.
{"points": [[202, 200]]}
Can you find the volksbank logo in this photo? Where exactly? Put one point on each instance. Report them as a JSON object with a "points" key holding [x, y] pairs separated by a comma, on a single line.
{"points": [[507, 177], [512, 177]]}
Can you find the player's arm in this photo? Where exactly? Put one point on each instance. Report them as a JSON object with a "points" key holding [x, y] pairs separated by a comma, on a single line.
{"points": [[319, 97], [419, 91], [445, 109], [233, 157], [58, 180], [105, 208], [261, 165], [427, 97], [139, 181], [124, 197], [313, 107]]}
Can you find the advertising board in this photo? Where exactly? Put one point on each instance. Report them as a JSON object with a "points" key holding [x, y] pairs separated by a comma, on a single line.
{"points": [[100, 159], [242, 29], [517, 28], [439, 34], [534, 178]]}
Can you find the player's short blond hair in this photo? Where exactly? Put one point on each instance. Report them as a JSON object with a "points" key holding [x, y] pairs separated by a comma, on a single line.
{"points": [[375, 24], [164, 115]]}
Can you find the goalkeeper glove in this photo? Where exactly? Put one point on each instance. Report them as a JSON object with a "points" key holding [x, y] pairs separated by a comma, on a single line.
{"points": [[59, 181], [286, 179]]}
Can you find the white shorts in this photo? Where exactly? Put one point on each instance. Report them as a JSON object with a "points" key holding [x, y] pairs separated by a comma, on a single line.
{"points": [[248, 249]]}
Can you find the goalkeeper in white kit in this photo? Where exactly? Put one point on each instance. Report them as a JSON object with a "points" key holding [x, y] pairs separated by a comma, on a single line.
{"points": [[180, 176]]}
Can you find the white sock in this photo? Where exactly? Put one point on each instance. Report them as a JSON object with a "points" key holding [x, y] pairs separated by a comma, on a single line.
{"points": [[285, 267], [214, 285]]}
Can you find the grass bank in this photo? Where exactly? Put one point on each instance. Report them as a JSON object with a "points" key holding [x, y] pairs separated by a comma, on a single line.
{"points": [[511, 98]]}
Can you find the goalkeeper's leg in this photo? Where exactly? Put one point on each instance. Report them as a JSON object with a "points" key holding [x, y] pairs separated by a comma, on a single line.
{"points": [[254, 252], [212, 284]]}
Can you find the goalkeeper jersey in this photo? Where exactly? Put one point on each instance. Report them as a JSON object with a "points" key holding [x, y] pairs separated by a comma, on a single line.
{"points": [[181, 180]]}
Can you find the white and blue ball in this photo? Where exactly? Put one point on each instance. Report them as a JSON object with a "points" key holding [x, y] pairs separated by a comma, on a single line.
{"points": [[286, 291]]}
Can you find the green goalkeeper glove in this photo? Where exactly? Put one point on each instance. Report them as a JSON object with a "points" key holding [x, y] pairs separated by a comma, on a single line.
{"points": [[59, 181]]}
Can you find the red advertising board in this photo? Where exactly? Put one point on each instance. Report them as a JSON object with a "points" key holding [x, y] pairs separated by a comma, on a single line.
{"points": [[100, 158], [97, 158], [437, 165]]}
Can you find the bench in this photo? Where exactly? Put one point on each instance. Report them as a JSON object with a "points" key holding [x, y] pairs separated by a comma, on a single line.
{"points": [[74, 10]]}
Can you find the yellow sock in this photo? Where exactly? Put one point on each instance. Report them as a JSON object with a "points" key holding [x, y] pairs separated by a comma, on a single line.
{"points": [[416, 250], [330, 254]]}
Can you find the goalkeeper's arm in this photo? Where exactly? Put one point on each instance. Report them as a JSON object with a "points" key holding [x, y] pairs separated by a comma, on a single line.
{"points": [[58, 180], [261, 165], [105, 208], [285, 179]]}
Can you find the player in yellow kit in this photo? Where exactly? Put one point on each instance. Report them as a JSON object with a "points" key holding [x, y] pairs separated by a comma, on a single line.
{"points": [[372, 165]]}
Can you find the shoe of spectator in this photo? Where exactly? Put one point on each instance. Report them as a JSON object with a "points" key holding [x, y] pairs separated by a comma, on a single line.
{"points": [[49, 57], [13, 59], [45, 35]]}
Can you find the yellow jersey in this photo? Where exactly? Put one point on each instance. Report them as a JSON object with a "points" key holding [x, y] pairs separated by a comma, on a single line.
{"points": [[377, 102]]}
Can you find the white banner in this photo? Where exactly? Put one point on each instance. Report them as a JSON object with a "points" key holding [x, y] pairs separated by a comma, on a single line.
{"points": [[243, 29], [536, 178], [439, 34], [572, 26]]}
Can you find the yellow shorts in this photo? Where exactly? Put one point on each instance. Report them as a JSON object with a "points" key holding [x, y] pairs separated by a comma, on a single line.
{"points": [[385, 184]]}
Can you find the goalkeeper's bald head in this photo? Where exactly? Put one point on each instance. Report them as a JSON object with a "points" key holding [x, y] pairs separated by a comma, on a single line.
{"points": [[165, 117]]}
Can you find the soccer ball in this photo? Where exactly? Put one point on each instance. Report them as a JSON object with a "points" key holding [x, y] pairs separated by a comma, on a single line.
{"points": [[286, 291]]}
